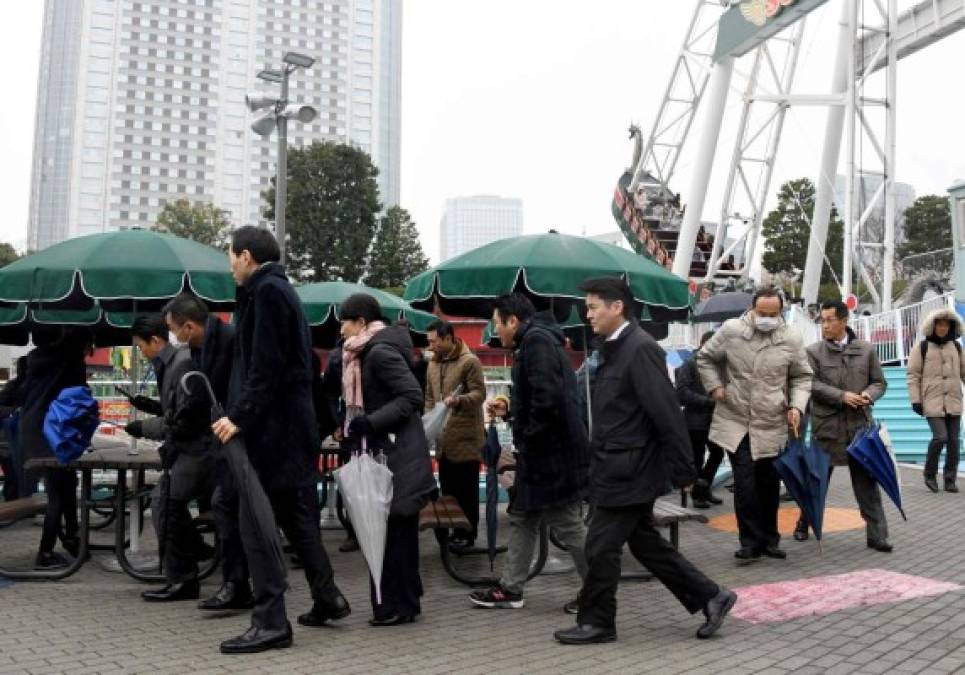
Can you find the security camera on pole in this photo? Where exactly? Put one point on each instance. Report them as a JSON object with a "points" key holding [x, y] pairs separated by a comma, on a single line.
{"points": [[278, 113]]}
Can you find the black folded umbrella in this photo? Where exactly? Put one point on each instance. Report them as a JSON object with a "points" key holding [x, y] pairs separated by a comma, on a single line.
{"points": [[256, 520], [490, 452]]}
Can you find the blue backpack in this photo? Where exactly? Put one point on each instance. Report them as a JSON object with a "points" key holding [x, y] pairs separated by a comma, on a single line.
{"points": [[70, 423]]}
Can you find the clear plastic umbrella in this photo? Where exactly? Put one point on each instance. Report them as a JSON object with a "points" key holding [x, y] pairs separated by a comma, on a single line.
{"points": [[365, 484]]}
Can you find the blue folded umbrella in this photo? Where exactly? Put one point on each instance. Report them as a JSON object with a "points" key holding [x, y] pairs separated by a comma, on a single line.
{"points": [[874, 453], [804, 469], [490, 454], [70, 423]]}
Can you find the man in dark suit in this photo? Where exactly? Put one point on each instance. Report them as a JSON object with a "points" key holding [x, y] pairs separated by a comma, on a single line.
{"points": [[639, 450]]}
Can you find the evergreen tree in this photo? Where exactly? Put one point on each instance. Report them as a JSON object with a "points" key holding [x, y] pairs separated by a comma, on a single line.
{"points": [[397, 255]]}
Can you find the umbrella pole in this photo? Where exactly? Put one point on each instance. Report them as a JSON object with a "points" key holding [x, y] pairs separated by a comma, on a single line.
{"points": [[586, 380]]}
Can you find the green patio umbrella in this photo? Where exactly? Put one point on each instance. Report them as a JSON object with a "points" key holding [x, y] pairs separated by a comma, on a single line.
{"points": [[18, 323], [322, 303], [549, 268], [127, 270]]}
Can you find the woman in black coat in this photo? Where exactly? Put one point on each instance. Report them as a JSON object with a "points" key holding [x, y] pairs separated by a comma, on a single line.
{"points": [[56, 363], [383, 404]]}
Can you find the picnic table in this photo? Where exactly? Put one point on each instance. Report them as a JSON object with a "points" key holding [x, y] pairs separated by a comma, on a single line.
{"points": [[106, 454]]}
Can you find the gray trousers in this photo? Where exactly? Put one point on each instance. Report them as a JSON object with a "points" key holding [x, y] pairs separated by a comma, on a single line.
{"points": [[868, 496], [566, 521], [944, 433]]}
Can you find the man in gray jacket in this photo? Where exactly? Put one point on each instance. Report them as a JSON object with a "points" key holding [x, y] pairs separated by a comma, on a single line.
{"points": [[183, 426], [756, 369], [847, 381]]}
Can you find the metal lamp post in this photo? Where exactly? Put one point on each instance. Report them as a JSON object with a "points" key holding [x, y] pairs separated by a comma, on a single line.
{"points": [[278, 113]]}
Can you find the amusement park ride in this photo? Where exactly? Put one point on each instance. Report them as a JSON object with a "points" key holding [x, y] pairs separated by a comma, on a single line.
{"points": [[752, 47]]}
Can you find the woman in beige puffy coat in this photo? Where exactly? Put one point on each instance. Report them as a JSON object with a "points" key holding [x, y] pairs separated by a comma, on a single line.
{"points": [[936, 371]]}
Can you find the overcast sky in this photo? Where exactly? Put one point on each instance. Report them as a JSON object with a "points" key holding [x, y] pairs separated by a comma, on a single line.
{"points": [[532, 99]]}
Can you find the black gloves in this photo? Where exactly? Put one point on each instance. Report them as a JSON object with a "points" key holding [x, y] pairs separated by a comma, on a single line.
{"points": [[135, 429], [918, 409], [360, 426]]}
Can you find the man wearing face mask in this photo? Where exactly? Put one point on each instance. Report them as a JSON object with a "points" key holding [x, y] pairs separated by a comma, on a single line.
{"points": [[756, 368]]}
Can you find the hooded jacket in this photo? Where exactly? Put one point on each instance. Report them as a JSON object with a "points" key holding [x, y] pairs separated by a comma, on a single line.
{"points": [[935, 382], [548, 432], [764, 374], [393, 403], [463, 435]]}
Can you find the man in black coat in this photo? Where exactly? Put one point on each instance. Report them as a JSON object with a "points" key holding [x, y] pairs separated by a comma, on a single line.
{"points": [[699, 413], [550, 442], [270, 405], [639, 451], [211, 344]]}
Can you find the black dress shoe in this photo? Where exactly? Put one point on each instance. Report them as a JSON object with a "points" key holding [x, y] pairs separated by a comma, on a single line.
{"points": [[700, 502], [950, 487], [585, 635], [572, 607], [774, 552], [801, 531], [257, 639], [349, 545], [50, 561], [931, 484], [188, 590], [716, 501], [747, 554], [231, 595], [391, 621], [715, 611], [322, 612], [882, 545]]}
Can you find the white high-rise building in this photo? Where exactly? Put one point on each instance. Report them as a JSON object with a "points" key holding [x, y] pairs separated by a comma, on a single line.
{"points": [[470, 222], [141, 102]]}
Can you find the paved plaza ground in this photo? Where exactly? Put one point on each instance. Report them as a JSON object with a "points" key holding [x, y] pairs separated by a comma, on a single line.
{"points": [[95, 622]]}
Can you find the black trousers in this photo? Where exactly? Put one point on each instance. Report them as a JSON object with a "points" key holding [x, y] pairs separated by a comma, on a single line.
{"points": [[224, 508], [757, 494], [945, 431], [609, 529], [296, 512], [11, 486], [704, 447], [182, 541], [401, 584], [461, 480], [61, 486]]}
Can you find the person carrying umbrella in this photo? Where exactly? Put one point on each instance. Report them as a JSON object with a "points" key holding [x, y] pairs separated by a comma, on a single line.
{"points": [[187, 456], [270, 407], [936, 371], [383, 405], [639, 451], [847, 381], [454, 366], [211, 344], [551, 447], [56, 363], [756, 369]]}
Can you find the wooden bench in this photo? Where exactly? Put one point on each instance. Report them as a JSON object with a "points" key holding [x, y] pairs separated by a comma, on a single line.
{"points": [[670, 515], [18, 509], [444, 515]]}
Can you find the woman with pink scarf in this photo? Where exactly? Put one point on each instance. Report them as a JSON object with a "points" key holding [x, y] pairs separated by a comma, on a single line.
{"points": [[383, 405]]}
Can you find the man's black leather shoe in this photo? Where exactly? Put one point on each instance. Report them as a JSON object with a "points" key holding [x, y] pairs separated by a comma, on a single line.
{"points": [[774, 552], [188, 590], [715, 611], [231, 595], [747, 554], [801, 531], [585, 635], [950, 487], [882, 545], [257, 639], [931, 484], [321, 612]]}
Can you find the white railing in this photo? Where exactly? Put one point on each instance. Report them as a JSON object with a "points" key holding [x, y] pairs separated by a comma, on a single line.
{"points": [[894, 333]]}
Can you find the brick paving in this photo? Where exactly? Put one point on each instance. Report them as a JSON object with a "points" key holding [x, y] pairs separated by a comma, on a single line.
{"points": [[95, 621]]}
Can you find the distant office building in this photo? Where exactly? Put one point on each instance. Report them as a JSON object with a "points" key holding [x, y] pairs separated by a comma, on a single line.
{"points": [[470, 222], [141, 102], [865, 188]]}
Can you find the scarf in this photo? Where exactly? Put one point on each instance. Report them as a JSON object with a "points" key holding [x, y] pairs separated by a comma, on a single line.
{"points": [[352, 369]]}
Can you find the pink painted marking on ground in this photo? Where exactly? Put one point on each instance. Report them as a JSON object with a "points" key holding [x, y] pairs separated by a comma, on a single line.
{"points": [[785, 600]]}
